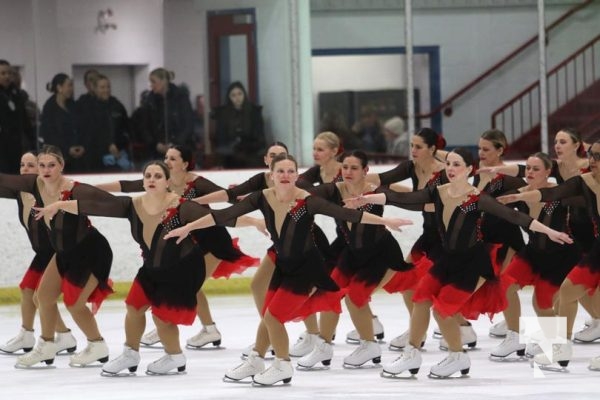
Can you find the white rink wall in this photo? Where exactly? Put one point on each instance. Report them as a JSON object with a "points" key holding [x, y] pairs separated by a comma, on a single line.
{"points": [[17, 254]]}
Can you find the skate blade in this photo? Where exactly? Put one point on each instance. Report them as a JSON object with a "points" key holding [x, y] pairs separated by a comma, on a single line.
{"points": [[170, 373], [401, 376], [586, 341], [366, 365], [281, 383], [508, 358], [352, 341], [91, 365], [316, 367], [593, 369], [35, 366], [245, 381], [451, 377], [205, 347], [549, 368], [467, 347], [117, 375], [157, 345], [436, 335]]}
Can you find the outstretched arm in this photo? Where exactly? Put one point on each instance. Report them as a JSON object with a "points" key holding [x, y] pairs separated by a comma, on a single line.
{"points": [[510, 170], [555, 236], [219, 196], [531, 196], [50, 210], [110, 186]]}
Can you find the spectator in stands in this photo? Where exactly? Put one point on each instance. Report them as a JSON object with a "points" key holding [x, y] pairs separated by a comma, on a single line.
{"points": [[239, 137], [369, 131], [168, 115], [59, 123], [16, 133], [31, 108], [396, 137], [107, 130]]}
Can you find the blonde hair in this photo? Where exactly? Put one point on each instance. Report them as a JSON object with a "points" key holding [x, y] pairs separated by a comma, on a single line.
{"points": [[54, 151], [331, 139]]}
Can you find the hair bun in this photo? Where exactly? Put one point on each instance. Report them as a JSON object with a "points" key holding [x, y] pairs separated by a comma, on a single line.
{"points": [[440, 142]]}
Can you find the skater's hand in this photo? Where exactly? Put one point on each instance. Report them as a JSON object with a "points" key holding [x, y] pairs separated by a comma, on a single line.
{"points": [[179, 233]]}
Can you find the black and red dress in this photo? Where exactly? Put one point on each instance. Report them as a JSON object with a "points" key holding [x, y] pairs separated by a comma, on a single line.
{"points": [[37, 234], [587, 272], [368, 252], [81, 251], [542, 262], [215, 240], [171, 274], [299, 265], [451, 283]]}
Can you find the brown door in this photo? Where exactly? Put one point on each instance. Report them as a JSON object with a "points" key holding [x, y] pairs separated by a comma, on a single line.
{"points": [[231, 53]]}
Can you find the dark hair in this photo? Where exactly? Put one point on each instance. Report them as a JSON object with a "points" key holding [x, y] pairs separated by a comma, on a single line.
{"points": [[161, 164], [466, 155], [432, 138], [576, 137], [187, 155], [361, 155], [496, 137], [52, 150], [4, 62], [58, 80], [546, 160], [280, 144], [281, 157], [236, 85], [163, 74]]}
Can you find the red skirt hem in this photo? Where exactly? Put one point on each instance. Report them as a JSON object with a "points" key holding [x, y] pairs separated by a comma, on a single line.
{"points": [[286, 306], [31, 279], [71, 294], [137, 299], [583, 275]]}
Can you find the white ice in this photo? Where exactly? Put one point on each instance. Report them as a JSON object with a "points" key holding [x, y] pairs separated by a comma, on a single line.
{"points": [[236, 318]]}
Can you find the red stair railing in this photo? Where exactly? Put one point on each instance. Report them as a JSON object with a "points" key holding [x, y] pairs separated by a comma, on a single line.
{"points": [[446, 105], [565, 81]]}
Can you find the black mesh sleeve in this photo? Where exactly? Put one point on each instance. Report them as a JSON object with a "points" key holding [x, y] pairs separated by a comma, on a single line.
{"points": [[571, 187], [228, 216], [20, 183], [317, 205], [204, 186], [409, 200], [114, 206], [308, 178], [255, 183], [399, 173], [132, 186], [490, 205]]}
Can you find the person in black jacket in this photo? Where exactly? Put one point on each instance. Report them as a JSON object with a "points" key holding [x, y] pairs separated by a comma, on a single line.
{"points": [[239, 137], [59, 126], [169, 119], [107, 129], [16, 133]]}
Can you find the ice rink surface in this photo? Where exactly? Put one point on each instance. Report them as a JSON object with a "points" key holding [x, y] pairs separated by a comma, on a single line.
{"points": [[237, 318]]}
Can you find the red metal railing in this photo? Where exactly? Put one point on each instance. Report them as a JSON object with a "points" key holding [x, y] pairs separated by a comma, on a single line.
{"points": [[565, 81], [446, 105]]}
